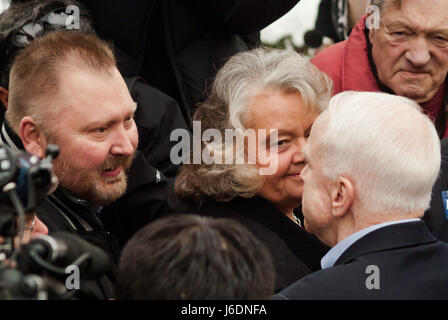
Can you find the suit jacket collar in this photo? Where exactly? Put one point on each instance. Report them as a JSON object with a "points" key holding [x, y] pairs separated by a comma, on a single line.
{"points": [[387, 238]]}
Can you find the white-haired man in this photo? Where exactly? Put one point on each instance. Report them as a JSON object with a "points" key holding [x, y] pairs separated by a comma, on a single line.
{"points": [[400, 48], [372, 159]]}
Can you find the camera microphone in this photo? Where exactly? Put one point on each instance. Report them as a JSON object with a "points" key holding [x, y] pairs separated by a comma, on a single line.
{"points": [[56, 252]]}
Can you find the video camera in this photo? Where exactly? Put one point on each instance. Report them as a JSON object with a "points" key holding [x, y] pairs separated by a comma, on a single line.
{"points": [[37, 270]]}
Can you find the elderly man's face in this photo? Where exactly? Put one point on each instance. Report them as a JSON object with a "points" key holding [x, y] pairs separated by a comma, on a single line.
{"points": [[316, 198], [410, 50], [96, 133]]}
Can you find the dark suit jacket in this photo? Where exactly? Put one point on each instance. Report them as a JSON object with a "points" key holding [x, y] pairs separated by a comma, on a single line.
{"points": [[412, 264], [435, 217], [295, 252]]}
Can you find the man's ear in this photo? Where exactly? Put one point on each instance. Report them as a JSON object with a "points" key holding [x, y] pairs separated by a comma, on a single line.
{"points": [[342, 196], [32, 137], [4, 96], [371, 34]]}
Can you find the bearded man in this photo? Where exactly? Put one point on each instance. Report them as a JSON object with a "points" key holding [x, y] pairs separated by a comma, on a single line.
{"points": [[65, 89]]}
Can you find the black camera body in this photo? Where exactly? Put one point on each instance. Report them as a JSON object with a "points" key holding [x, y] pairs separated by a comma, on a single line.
{"points": [[32, 176], [31, 179], [39, 268]]}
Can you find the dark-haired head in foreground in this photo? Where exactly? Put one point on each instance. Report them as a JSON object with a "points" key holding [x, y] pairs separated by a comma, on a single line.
{"points": [[192, 257]]}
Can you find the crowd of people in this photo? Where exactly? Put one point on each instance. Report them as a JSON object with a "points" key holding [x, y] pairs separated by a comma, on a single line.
{"points": [[355, 206]]}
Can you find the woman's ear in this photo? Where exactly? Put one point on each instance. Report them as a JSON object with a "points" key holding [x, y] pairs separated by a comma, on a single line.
{"points": [[4, 96], [32, 137]]}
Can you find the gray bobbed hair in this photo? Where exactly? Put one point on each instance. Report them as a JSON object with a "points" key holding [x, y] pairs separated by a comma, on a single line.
{"points": [[227, 107]]}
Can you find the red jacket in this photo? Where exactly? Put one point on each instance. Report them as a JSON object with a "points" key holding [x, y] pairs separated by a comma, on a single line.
{"points": [[347, 63]]}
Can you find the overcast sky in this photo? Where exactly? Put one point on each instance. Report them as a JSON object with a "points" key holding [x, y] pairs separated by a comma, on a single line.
{"points": [[296, 22], [2, 5]]}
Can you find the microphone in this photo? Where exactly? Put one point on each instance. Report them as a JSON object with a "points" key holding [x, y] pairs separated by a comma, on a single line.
{"points": [[53, 254]]}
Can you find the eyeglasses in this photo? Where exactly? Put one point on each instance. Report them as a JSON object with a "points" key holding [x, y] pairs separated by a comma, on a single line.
{"points": [[27, 33]]}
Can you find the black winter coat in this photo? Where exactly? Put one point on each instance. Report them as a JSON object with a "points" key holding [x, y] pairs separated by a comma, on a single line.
{"points": [[295, 252], [62, 212], [177, 45]]}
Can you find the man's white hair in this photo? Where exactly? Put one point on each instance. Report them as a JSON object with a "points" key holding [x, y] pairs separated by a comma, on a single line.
{"points": [[386, 145]]}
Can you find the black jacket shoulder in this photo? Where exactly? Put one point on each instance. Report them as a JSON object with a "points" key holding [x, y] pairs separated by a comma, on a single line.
{"points": [[61, 212], [405, 259]]}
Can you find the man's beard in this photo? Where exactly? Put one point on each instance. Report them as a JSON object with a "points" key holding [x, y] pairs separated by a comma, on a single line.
{"points": [[91, 185]]}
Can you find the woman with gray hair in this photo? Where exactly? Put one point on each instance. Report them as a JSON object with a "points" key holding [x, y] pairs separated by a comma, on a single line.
{"points": [[267, 100]]}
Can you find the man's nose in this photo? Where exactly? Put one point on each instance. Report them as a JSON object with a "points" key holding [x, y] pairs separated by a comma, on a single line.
{"points": [[418, 54], [297, 156], [123, 142], [304, 171]]}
